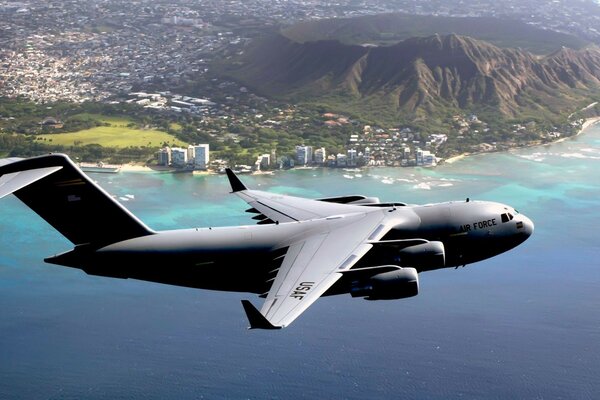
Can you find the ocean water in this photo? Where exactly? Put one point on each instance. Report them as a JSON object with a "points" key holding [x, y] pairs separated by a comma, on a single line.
{"points": [[525, 324]]}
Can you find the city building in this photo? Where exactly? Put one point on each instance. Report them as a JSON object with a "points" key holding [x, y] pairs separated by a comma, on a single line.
{"points": [[201, 155], [265, 161], [191, 153], [179, 157], [304, 155], [351, 158], [425, 158], [320, 156], [163, 156]]}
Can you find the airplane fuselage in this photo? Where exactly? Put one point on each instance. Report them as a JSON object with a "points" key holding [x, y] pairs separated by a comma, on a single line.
{"points": [[208, 258]]}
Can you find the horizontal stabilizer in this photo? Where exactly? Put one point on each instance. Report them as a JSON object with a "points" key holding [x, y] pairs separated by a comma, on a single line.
{"points": [[14, 181], [256, 319]]}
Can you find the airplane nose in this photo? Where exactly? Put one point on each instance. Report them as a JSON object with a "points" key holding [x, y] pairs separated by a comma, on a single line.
{"points": [[528, 226]]}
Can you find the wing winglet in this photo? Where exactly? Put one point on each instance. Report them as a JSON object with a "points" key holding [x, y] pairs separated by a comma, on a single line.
{"points": [[256, 319], [234, 181]]}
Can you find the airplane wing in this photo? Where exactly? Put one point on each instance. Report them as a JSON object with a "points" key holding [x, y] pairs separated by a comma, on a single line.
{"points": [[272, 207], [337, 238], [314, 263]]}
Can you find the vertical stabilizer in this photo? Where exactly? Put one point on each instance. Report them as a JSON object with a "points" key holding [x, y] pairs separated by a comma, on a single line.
{"points": [[56, 189]]}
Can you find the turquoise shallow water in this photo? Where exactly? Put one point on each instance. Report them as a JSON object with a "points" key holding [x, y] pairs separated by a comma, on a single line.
{"points": [[525, 324]]}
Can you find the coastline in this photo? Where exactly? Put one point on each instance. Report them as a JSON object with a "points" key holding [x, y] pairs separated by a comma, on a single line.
{"points": [[135, 168], [586, 124], [132, 167], [456, 158], [589, 122]]}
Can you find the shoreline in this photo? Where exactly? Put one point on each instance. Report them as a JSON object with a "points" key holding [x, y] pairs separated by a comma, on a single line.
{"points": [[135, 168], [589, 122], [586, 124]]}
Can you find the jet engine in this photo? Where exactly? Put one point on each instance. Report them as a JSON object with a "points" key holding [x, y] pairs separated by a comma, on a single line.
{"points": [[396, 284], [425, 256]]}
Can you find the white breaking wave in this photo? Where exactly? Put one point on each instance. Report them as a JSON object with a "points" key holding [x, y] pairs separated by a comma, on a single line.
{"points": [[579, 156], [537, 157], [423, 186], [591, 150]]}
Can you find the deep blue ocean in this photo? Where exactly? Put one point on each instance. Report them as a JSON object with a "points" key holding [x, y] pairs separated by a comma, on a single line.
{"points": [[524, 325]]}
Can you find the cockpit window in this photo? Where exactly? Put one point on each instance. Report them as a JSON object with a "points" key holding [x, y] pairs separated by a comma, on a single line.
{"points": [[506, 217]]}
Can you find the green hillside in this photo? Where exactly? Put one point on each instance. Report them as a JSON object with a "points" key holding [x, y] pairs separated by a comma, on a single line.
{"points": [[421, 79]]}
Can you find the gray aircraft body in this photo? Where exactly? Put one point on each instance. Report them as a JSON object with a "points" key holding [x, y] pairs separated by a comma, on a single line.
{"points": [[300, 250]]}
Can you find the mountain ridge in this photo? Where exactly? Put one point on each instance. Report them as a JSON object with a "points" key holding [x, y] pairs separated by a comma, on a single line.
{"points": [[386, 29], [419, 75]]}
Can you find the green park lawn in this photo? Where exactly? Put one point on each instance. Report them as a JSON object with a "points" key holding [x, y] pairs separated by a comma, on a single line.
{"points": [[118, 135]]}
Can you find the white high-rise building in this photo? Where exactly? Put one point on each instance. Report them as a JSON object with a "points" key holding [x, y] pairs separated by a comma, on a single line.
{"points": [[201, 155]]}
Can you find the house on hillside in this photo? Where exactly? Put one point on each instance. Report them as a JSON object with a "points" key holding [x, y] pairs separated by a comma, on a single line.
{"points": [[51, 122]]}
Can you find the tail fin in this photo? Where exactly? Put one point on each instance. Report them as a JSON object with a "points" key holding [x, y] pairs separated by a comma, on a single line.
{"points": [[56, 189]]}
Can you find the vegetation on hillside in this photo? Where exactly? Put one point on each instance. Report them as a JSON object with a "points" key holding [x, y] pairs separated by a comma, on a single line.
{"points": [[422, 80], [117, 134], [86, 131]]}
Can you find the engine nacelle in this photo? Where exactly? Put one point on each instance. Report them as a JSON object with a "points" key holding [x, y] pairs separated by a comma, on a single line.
{"points": [[426, 256], [397, 284]]}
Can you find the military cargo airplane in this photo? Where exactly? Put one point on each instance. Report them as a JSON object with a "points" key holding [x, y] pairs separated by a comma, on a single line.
{"points": [[300, 250]]}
